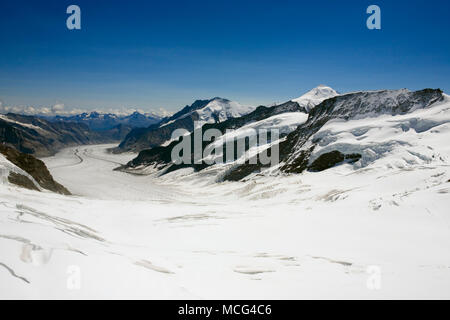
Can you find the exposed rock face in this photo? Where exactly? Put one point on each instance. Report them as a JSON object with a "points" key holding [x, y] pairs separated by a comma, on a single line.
{"points": [[330, 159], [21, 181], [34, 167]]}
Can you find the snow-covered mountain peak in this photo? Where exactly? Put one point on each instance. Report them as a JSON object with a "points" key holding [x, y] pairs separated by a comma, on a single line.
{"points": [[315, 96], [219, 109]]}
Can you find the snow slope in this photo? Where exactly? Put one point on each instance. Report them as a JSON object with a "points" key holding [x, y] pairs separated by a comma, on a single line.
{"points": [[299, 236], [399, 141], [217, 110]]}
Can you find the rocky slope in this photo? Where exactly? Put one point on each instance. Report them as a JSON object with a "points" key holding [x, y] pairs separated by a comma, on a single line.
{"points": [[214, 110], [33, 135], [36, 175]]}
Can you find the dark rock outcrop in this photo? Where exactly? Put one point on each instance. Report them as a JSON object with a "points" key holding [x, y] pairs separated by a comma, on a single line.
{"points": [[331, 159], [21, 181]]}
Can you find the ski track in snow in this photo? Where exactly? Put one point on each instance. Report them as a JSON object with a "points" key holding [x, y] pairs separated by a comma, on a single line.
{"points": [[183, 236]]}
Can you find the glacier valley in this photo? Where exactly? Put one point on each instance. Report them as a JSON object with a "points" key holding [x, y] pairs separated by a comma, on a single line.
{"points": [[375, 229]]}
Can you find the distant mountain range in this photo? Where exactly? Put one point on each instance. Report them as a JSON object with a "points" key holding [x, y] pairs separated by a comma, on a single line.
{"points": [[106, 121]]}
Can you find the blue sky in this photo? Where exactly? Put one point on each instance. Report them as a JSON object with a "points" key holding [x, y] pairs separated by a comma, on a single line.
{"points": [[152, 54]]}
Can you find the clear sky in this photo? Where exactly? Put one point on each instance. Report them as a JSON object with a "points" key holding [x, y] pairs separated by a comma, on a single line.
{"points": [[151, 54]]}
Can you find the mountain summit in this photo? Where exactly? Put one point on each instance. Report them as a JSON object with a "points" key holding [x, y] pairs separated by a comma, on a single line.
{"points": [[219, 110], [315, 96]]}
